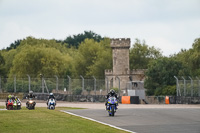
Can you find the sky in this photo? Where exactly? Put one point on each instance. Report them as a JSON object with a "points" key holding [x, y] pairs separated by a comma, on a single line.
{"points": [[170, 25]]}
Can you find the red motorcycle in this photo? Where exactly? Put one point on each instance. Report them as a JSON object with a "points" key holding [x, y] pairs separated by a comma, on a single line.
{"points": [[10, 105]]}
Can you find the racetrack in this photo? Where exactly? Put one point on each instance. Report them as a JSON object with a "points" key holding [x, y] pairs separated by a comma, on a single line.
{"points": [[149, 120]]}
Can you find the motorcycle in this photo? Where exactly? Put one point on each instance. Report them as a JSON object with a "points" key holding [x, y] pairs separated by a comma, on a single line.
{"points": [[112, 106], [10, 104], [31, 104], [18, 104], [15, 105], [51, 103]]}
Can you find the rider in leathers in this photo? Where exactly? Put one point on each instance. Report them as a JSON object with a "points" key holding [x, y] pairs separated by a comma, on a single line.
{"points": [[30, 95], [111, 93], [51, 96]]}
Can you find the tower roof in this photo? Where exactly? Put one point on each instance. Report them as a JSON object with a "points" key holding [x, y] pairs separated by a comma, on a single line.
{"points": [[120, 43]]}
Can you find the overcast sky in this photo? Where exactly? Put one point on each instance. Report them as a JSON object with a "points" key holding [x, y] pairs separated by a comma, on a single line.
{"points": [[170, 25]]}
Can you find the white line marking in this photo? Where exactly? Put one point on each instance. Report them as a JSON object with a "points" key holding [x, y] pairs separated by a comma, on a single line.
{"points": [[3, 109], [98, 121]]}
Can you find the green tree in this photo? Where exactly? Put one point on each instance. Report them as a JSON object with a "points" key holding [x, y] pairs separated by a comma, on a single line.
{"points": [[103, 60], [14, 45], [8, 59], [191, 58], [31, 41], [160, 74], [76, 40], [93, 58], [36, 60], [2, 67], [141, 55]]}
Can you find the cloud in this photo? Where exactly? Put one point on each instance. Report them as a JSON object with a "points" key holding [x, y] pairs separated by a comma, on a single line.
{"points": [[11, 31], [159, 23]]}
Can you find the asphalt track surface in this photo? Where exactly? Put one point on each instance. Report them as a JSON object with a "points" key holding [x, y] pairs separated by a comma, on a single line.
{"points": [[149, 120]]}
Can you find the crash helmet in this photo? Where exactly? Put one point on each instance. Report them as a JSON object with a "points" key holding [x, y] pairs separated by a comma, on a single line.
{"points": [[9, 96], [51, 94], [16, 97], [31, 92], [112, 92]]}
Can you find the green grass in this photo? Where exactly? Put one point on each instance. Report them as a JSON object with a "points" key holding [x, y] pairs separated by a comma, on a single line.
{"points": [[42, 120]]}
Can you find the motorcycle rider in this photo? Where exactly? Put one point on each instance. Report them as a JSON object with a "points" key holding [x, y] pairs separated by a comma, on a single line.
{"points": [[18, 102], [8, 98], [30, 95], [111, 94], [13, 97], [51, 96], [17, 99]]}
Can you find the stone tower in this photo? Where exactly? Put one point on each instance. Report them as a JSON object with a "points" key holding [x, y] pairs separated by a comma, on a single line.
{"points": [[121, 71], [120, 54]]}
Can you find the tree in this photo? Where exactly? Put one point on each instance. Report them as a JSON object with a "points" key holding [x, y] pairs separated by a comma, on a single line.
{"points": [[160, 74], [103, 60], [76, 40], [31, 41], [36, 57], [93, 58], [141, 55], [191, 58], [8, 59], [2, 68], [14, 45]]}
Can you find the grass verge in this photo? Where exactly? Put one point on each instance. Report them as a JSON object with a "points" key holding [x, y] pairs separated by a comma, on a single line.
{"points": [[48, 121]]}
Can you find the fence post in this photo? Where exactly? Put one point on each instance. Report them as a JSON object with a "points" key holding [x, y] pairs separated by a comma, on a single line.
{"points": [[82, 82], [15, 83], [119, 84], [0, 84], [177, 86], [192, 86], [69, 87], [29, 83], [199, 86], [95, 89], [107, 83], [56, 83], [184, 86], [42, 82]]}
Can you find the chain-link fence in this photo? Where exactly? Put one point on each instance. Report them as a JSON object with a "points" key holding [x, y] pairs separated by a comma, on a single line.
{"points": [[188, 88], [80, 86]]}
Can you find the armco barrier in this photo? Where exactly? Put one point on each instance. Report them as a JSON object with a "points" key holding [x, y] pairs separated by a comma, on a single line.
{"points": [[5, 95], [134, 99], [130, 100], [125, 99], [72, 98]]}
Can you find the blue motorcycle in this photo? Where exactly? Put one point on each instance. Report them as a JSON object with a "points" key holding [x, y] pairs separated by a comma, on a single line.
{"points": [[112, 105], [51, 103]]}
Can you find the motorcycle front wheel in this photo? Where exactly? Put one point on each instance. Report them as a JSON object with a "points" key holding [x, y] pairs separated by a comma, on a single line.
{"points": [[112, 110]]}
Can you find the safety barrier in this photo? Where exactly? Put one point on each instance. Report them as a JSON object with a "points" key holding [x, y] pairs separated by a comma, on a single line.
{"points": [[167, 100], [130, 100], [5, 95]]}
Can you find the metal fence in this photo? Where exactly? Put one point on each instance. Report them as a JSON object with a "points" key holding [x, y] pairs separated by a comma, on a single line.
{"points": [[55, 84], [188, 87]]}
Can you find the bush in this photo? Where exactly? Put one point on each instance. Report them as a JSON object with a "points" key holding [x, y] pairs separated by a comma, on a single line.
{"points": [[77, 91], [115, 89], [169, 90], [150, 92], [21, 86], [88, 89]]}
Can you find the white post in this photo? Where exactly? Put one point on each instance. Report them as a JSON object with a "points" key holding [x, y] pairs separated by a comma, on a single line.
{"points": [[82, 82], [29, 83]]}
